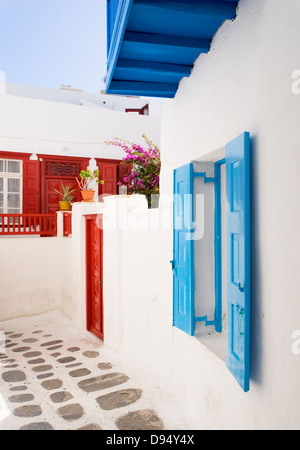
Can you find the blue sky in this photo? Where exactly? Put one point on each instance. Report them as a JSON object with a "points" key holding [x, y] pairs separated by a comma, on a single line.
{"points": [[53, 42]]}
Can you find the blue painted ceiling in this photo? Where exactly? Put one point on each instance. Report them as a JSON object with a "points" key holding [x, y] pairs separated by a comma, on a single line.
{"points": [[152, 44]]}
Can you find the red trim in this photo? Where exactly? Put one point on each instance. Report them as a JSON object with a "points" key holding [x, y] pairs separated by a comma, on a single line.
{"points": [[67, 224], [142, 111], [93, 220], [28, 224], [14, 155]]}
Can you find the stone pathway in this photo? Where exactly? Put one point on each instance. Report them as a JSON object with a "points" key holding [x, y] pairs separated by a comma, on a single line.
{"points": [[53, 377]]}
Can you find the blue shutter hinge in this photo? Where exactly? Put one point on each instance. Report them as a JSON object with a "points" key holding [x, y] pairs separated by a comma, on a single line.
{"points": [[204, 319], [241, 311], [203, 175]]}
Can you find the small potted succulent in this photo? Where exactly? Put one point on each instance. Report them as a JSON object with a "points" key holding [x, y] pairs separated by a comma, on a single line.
{"points": [[86, 177], [66, 197]]}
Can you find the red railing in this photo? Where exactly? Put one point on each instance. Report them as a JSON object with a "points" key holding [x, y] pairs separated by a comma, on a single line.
{"points": [[67, 224], [28, 224]]}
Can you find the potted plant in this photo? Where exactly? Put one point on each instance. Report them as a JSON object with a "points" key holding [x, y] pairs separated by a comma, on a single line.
{"points": [[66, 198], [86, 177]]}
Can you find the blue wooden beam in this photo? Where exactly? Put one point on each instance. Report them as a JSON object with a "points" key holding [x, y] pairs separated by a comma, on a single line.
{"points": [[150, 71], [199, 18], [163, 48], [121, 19], [164, 90]]}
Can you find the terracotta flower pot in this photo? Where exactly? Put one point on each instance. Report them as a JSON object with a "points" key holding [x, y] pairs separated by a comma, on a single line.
{"points": [[88, 196], [63, 206]]}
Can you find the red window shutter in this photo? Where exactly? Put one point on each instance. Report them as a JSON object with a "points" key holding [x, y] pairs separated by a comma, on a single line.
{"points": [[31, 183], [109, 176]]}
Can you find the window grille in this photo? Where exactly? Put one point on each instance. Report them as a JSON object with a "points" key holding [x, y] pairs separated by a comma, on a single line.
{"points": [[62, 169]]}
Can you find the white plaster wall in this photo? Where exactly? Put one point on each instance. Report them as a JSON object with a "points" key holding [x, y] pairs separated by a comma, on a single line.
{"points": [[56, 128], [34, 276], [79, 97], [243, 84]]}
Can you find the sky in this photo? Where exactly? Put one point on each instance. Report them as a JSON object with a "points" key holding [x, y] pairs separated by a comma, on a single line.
{"points": [[50, 43]]}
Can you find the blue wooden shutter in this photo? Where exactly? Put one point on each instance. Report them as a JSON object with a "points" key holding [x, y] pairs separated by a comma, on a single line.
{"points": [[238, 258], [183, 250]]}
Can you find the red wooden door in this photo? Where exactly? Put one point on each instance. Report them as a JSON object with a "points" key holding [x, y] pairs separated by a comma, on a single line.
{"points": [[56, 170], [108, 173], [53, 198], [94, 275], [31, 187]]}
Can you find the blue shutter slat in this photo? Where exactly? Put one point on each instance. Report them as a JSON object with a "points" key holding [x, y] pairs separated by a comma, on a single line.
{"points": [[238, 258], [183, 250]]}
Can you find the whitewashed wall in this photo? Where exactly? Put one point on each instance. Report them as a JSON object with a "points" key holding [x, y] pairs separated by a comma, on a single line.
{"points": [[43, 126], [243, 84], [35, 276]]}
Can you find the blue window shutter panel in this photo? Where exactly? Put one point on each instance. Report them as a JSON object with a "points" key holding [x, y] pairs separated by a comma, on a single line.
{"points": [[238, 258], [183, 250]]}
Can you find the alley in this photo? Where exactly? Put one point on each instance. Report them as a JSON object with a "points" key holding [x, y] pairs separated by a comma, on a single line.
{"points": [[54, 377]]}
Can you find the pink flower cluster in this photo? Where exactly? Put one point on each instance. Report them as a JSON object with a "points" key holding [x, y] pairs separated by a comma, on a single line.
{"points": [[144, 164]]}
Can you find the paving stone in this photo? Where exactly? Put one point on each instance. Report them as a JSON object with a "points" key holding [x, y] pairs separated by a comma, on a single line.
{"points": [[55, 347], [45, 375], [37, 426], [145, 419], [104, 366], [46, 344], [91, 426], [8, 361], [13, 344], [91, 354], [43, 368], [74, 365], [13, 376], [61, 396], [37, 332], [102, 382], [36, 361], [79, 372], [73, 349], [16, 335], [18, 388], [30, 340], [66, 359], [32, 354], [21, 349], [28, 411], [11, 366], [71, 412], [21, 398], [55, 355], [119, 399], [52, 384]]}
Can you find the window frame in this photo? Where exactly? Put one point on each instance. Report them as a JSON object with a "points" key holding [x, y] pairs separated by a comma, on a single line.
{"points": [[5, 175]]}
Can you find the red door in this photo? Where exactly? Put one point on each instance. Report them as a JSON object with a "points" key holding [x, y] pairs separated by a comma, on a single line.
{"points": [[94, 275], [56, 170], [31, 184], [52, 198], [109, 176]]}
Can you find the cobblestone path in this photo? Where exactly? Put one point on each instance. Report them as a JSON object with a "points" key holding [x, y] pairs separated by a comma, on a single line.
{"points": [[55, 378]]}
